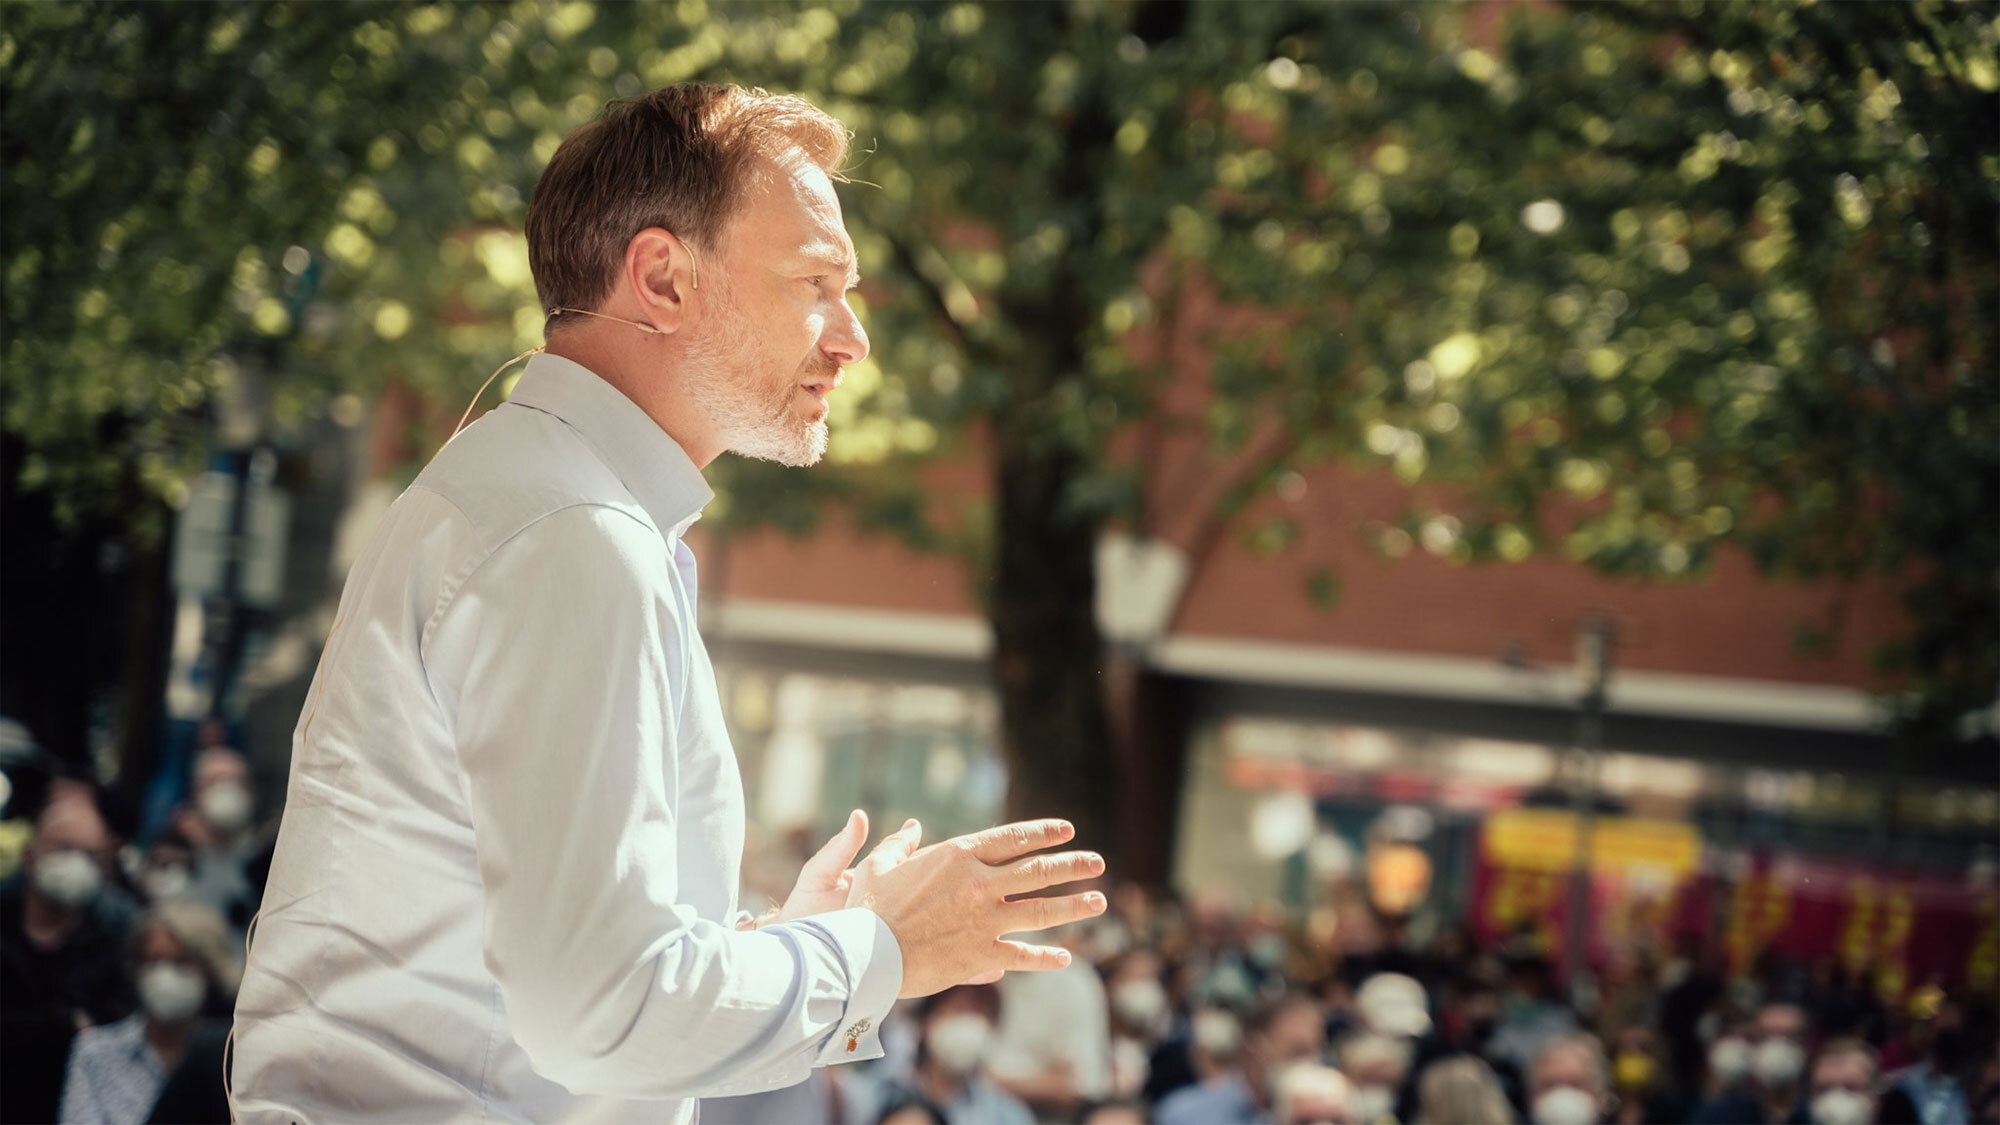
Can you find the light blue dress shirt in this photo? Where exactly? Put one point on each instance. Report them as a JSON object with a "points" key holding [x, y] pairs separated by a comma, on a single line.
{"points": [[506, 875]]}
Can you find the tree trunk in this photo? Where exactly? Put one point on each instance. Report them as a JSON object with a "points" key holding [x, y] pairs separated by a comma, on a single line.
{"points": [[1048, 659]]}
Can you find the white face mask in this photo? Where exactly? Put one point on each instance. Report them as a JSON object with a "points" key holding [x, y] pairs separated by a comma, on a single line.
{"points": [[1842, 1107], [1565, 1105], [1778, 1062], [958, 1043], [163, 883], [1217, 1033], [68, 878], [225, 806], [1370, 1104], [170, 992], [1729, 1060], [1141, 1003]]}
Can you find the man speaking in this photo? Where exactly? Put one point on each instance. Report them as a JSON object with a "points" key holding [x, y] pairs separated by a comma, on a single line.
{"points": [[505, 886]]}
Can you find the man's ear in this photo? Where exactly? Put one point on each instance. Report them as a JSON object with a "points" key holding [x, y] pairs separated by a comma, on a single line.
{"points": [[661, 270]]}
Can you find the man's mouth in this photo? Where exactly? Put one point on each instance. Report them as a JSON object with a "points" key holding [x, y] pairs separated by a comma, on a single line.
{"points": [[820, 386]]}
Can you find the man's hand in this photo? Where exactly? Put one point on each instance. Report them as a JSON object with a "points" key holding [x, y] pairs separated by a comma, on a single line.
{"points": [[949, 904], [824, 880]]}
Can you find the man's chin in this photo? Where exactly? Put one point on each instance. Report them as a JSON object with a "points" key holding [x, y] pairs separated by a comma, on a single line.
{"points": [[798, 449]]}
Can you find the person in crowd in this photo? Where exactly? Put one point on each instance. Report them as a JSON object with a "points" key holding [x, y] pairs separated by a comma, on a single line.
{"points": [[1777, 1072], [1054, 1046], [1461, 1091], [1141, 1017], [1203, 1047], [1530, 1014], [1278, 1033], [1470, 1029], [1569, 1082], [1842, 1090], [1376, 1064], [1393, 1008], [217, 825], [912, 1112], [1690, 984], [957, 1034], [186, 971], [1728, 1073], [1122, 1112], [1932, 1082], [168, 870], [62, 953], [1310, 1094], [1393, 1004], [1638, 1079]]}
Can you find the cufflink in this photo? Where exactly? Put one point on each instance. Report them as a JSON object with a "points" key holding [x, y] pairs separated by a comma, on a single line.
{"points": [[855, 1031]]}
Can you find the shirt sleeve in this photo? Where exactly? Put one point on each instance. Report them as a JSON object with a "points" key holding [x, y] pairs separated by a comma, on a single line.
{"points": [[561, 659]]}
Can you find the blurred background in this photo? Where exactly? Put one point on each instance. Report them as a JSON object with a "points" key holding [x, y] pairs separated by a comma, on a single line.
{"points": [[1505, 494]]}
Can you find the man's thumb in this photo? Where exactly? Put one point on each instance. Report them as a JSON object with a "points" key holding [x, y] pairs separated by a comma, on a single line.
{"points": [[840, 851]]}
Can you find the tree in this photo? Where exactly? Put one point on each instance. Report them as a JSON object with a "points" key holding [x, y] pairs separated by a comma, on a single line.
{"points": [[1639, 283]]}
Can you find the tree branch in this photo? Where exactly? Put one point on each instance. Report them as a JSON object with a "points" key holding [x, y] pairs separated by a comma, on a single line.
{"points": [[906, 258]]}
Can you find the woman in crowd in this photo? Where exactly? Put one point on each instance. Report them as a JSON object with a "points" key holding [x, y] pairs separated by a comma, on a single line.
{"points": [[1461, 1091], [185, 971]]}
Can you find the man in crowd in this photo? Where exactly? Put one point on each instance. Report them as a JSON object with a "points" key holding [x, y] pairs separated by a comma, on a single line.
{"points": [[1052, 1051], [1777, 1068], [1569, 1082], [62, 952], [514, 813], [217, 825], [1931, 1084], [1843, 1088], [957, 1033], [1310, 1094], [1277, 1034]]}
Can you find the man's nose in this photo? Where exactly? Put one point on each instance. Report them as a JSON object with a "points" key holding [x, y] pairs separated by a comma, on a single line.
{"points": [[844, 341]]}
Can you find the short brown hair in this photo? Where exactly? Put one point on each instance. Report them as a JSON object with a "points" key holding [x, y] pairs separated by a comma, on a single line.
{"points": [[675, 158]]}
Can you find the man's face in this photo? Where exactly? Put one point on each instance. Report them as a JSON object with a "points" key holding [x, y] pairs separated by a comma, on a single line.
{"points": [[1781, 1021], [777, 328], [72, 825], [1843, 1070], [1558, 1068], [1295, 1035]]}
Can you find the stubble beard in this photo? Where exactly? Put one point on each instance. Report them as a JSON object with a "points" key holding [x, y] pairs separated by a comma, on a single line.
{"points": [[754, 420]]}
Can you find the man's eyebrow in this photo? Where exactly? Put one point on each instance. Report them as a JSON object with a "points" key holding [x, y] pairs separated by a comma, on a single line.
{"points": [[835, 260]]}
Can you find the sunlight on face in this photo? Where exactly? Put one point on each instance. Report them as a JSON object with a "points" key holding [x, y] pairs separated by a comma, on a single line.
{"points": [[776, 328]]}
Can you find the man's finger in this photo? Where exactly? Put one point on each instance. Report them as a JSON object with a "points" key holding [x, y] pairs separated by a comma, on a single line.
{"points": [[1042, 913], [991, 976], [824, 868], [897, 846], [1020, 957], [1036, 872], [1012, 841]]}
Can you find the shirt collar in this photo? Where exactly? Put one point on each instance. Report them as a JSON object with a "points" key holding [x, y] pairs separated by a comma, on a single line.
{"points": [[651, 464]]}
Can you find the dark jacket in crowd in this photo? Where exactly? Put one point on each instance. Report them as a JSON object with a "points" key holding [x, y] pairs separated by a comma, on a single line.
{"points": [[41, 994]]}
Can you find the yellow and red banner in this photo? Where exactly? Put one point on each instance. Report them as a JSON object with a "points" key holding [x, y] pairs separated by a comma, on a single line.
{"points": [[1647, 885]]}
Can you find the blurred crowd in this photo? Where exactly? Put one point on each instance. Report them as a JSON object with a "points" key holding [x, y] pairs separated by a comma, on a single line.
{"points": [[1197, 1014], [119, 965], [118, 968]]}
